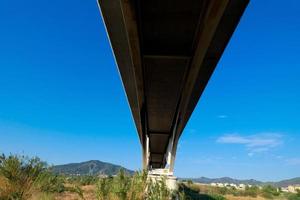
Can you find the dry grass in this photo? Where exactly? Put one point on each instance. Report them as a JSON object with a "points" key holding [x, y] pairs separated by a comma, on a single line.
{"points": [[88, 194], [67, 195], [4, 187], [231, 197]]}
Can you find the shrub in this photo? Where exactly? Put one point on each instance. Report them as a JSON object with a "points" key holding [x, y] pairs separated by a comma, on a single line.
{"points": [[103, 188], [189, 182], [49, 183], [222, 190], [23, 176], [157, 190], [269, 192], [217, 197], [186, 192], [20, 174], [251, 191], [83, 180], [121, 184], [138, 186], [291, 196]]}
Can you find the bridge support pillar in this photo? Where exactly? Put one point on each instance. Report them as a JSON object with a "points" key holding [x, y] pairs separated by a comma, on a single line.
{"points": [[164, 174]]}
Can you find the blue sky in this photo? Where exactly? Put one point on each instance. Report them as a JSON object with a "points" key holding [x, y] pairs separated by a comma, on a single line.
{"points": [[61, 97]]}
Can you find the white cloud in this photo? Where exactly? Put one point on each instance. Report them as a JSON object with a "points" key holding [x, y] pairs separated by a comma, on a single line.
{"points": [[254, 143]]}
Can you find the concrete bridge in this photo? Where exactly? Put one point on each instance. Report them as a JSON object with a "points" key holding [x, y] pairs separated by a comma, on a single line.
{"points": [[166, 51]]}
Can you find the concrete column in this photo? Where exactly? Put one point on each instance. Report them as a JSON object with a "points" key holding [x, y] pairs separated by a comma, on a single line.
{"points": [[146, 154], [164, 174]]}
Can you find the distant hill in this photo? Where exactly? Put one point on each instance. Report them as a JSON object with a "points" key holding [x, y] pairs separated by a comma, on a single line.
{"points": [[92, 167], [226, 180], [96, 167], [284, 183]]}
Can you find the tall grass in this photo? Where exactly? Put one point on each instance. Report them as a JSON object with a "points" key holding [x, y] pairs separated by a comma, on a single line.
{"points": [[136, 187], [21, 177], [24, 178]]}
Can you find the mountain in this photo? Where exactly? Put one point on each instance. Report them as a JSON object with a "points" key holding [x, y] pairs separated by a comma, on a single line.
{"points": [[284, 183], [92, 167], [225, 180], [96, 167]]}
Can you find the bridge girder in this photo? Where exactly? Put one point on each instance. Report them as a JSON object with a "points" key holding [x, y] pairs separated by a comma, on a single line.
{"points": [[166, 51]]}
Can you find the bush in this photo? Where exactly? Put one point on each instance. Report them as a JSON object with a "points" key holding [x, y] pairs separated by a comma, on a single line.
{"points": [[138, 186], [157, 190], [291, 196], [49, 183], [251, 191], [270, 192], [103, 188], [20, 174], [121, 185], [186, 192], [23, 176], [189, 182], [83, 180], [222, 190], [217, 197]]}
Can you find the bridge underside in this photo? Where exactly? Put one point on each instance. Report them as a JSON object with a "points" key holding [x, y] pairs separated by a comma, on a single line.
{"points": [[166, 51]]}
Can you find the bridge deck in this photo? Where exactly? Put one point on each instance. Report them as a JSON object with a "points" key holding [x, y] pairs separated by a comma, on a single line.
{"points": [[166, 51]]}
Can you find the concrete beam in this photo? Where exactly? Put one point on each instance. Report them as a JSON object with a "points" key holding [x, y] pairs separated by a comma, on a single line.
{"points": [[166, 54]]}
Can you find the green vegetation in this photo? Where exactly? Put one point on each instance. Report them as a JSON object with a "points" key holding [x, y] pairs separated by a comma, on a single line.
{"points": [[293, 196], [23, 178], [269, 192], [89, 168], [251, 191], [200, 191], [136, 187], [82, 180], [192, 192]]}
